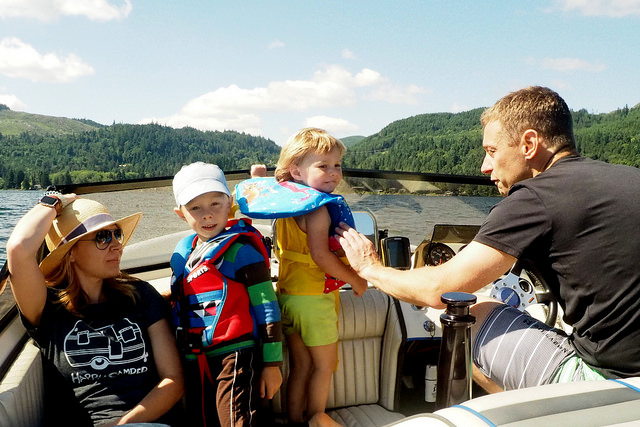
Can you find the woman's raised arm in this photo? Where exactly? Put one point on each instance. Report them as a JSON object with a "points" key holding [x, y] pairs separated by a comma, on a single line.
{"points": [[27, 281]]}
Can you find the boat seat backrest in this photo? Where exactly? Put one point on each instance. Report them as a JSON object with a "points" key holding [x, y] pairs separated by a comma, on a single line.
{"points": [[22, 390], [363, 390], [369, 341]]}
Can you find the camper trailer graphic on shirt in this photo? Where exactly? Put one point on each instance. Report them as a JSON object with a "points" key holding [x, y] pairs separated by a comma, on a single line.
{"points": [[116, 344]]}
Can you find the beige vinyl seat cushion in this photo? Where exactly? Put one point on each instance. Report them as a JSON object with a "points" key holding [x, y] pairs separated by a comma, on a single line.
{"points": [[363, 390], [587, 403], [22, 390]]}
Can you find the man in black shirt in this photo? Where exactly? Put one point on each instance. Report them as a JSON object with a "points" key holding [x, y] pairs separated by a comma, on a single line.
{"points": [[567, 216]]}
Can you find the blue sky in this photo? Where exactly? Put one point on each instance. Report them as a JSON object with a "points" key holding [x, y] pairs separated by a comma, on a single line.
{"points": [[272, 67]]}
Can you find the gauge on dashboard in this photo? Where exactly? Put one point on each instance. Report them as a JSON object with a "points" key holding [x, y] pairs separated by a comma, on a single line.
{"points": [[439, 253]]}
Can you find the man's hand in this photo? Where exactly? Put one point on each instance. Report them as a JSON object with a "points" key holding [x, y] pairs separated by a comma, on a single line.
{"points": [[358, 249]]}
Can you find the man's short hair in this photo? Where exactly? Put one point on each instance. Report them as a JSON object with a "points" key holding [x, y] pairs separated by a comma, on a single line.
{"points": [[537, 108]]}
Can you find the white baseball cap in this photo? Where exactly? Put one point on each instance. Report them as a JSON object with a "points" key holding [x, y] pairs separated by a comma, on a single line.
{"points": [[196, 179]]}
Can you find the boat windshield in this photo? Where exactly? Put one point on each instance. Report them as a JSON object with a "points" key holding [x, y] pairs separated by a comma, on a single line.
{"points": [[402, 204]]}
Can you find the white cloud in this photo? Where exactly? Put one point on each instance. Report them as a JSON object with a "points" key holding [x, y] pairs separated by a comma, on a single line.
{"points": [[333, 125], [241, 109], [276, 44], [21, 60], [249, 123], [12, 102], [570, 64], [368, 77], [459, 108], [611, 8], [560, 84], [47, 10], [396, 94], [347, 54]]}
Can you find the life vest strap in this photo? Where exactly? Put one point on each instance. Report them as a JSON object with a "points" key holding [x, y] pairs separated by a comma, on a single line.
{"points": [[305, 258], [203, 297], [298, 257]]}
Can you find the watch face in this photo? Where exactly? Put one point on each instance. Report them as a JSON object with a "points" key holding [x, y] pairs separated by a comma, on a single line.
{"points": [[49, 201]]}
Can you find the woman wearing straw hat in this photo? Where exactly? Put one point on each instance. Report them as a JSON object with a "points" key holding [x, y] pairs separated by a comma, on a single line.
{"points": [[103, 335]]}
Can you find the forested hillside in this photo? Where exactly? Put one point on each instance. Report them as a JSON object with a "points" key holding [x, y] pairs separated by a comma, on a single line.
{"points": [[612, 137], [452, 143], [16, 122], [123, 152], [438, 143]]}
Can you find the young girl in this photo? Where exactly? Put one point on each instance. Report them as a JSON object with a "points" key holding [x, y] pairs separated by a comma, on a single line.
{"points": [[309, 316]]}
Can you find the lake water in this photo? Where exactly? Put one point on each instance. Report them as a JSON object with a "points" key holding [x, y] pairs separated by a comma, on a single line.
{"points": [[412, 216], [13, 204]]}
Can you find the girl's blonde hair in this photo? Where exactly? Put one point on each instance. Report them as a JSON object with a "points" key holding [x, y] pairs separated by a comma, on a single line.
{"points": [[73, 298], [308, 140]]}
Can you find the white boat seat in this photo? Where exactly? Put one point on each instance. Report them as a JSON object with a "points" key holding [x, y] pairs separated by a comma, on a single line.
{"points": [[22, 390], [363, 390], [589, 403]]}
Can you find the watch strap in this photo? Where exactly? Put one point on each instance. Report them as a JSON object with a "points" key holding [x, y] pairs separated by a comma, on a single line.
{"points": [[57, 204]]}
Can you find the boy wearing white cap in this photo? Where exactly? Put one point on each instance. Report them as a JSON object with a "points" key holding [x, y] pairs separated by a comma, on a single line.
{"points": [[222, 297]]}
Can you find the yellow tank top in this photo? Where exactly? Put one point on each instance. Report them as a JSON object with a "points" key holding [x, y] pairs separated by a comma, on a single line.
{"points": [[298, 274]]}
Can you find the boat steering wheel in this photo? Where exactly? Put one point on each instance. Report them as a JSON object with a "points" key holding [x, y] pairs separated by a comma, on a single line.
{"points": [[522, 289]]}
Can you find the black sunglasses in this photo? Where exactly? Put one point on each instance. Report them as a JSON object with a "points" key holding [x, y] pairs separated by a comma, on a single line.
{"points": [[103, 238]]}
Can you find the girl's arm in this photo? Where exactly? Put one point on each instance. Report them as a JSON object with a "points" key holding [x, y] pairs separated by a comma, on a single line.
{"points": [[171, 386], [27, 281], [317, 225]]}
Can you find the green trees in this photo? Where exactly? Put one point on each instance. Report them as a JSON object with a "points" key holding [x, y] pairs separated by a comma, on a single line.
{"points": [[123, 152], [452, 143], [437, 143]]}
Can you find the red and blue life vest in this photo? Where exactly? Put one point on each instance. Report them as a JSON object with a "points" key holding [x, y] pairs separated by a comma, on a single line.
{"points": [[207, 307]]}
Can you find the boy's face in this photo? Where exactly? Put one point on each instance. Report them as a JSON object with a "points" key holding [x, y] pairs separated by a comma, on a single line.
{"points": [[207, 214], [322, 171]]}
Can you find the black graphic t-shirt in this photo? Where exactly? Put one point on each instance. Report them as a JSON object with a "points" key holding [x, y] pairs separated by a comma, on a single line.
{"points": [[104, 358]]}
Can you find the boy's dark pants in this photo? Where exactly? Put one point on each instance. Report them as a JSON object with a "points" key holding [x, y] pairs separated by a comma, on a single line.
{"points": [[233, 397]]}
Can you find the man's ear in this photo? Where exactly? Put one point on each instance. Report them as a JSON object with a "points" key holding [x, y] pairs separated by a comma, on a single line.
{"points": [[530, 143], [178, 212]]}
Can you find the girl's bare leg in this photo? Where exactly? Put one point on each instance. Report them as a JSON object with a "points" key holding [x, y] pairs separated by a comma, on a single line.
{"points": [[324, 359], [299, 374]]}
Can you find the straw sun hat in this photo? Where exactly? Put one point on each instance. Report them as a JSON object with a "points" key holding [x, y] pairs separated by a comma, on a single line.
{"points": [[79, 218]]}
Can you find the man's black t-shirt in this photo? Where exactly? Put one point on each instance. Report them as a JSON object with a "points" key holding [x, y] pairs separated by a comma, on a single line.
{"points": [[576, 224]]}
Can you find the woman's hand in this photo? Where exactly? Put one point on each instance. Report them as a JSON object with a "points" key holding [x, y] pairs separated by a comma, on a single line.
{"points": [[171, 386]]}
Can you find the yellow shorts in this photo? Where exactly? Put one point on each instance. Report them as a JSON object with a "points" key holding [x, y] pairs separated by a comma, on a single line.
{"points": [[313, 317]]}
